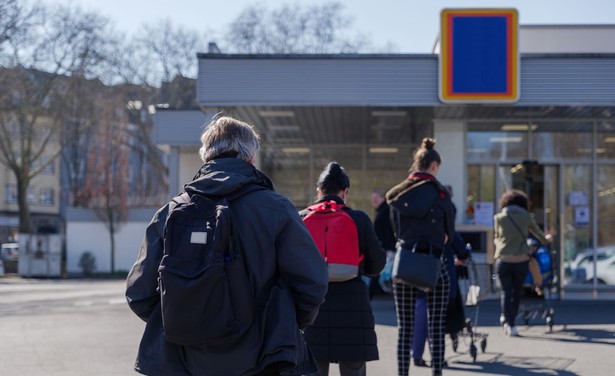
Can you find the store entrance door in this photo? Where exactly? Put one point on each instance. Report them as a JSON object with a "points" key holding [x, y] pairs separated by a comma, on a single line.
{"points": [[529, 177], [541, 184]]}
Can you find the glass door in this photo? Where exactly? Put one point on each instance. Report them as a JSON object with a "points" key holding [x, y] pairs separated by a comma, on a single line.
{"points": [[541, 184]]}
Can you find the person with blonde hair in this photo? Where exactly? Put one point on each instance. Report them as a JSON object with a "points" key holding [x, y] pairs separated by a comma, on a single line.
{"points": [[423, 213]]}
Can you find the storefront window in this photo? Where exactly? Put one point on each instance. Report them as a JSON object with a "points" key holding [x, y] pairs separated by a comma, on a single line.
{"points": [[577, 223], [605, 265], [289, 169], [295, 171], [385, 169], [561, 140], [481, 188], [606, 140], [484, 144]]}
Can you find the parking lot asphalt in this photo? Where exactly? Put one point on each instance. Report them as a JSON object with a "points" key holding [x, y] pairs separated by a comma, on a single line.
{"points": [[581, 341], [81, 327]]}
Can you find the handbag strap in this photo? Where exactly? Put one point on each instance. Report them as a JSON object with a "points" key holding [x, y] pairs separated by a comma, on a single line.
{"points": [[399, 221], [523, 236]]}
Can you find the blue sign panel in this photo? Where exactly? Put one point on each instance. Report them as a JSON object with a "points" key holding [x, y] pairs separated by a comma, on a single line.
{"points": [[479, 56]]}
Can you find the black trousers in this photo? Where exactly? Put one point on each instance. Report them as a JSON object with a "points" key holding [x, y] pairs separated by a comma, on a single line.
{"points": [[511, 275]]}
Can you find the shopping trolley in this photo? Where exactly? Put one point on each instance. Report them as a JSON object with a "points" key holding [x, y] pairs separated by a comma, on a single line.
{"points": [[474, 282], [534, 302]]}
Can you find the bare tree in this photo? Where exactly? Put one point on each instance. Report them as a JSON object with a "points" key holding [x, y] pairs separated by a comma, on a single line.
{"points": [[158, 53], [49, 45], [294, 29], [79, 113], [14, 19], [107, 186]]}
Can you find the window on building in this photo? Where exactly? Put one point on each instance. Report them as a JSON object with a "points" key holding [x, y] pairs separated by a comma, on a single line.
{"points": [[31, 194], [11, 194], [48, 169], [46, 196]]}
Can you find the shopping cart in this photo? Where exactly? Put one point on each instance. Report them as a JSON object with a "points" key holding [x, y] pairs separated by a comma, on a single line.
{"points": [[474, 283], [535, 302]]}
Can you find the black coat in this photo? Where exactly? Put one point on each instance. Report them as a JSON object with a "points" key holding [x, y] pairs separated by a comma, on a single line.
{"points": [[275, 244], [383, 228], [423, 211], [344, 328]]}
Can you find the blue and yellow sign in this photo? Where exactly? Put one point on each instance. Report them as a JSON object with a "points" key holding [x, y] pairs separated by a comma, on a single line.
{"points": [[479, 56]]}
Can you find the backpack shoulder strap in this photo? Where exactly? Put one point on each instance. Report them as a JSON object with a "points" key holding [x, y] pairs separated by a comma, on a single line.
{"points": [[327, 206]]}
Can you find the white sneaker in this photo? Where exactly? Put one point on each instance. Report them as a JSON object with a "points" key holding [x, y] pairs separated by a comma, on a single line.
{"points": [[507, 329], [514, 332]]}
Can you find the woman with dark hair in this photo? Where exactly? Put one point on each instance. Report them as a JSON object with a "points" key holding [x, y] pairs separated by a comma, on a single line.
{"points": [[344, 328], [423, 214], [511, 227]]}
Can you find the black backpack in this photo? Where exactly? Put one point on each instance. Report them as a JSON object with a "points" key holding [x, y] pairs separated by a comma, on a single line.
{"points": [[205, 294]]}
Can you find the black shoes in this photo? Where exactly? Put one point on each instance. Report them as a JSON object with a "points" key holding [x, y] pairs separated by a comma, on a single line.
{"points": [[420, 363]]}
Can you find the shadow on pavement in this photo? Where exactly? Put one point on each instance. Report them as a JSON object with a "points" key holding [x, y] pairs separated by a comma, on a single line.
{"points": [[487, 313], [509, 365], [576, 335]]}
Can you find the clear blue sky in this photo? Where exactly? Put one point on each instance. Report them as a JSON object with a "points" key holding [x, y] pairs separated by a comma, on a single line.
{"points": [[411, 25]]}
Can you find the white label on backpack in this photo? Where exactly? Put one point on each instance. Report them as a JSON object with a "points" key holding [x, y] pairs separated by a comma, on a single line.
{"points": [[198, 237]]}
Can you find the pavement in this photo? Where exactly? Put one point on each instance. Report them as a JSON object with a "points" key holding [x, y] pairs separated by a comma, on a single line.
{"points": [[47, 328], [581, 341]]}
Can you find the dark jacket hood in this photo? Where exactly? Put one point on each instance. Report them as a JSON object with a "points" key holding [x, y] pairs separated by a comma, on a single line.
{"points": [[418, 195], [222, 176]]}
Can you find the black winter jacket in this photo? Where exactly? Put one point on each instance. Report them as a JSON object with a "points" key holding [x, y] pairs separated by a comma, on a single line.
{"points": [[423, 211], [383, 228], [276, 245], [344, 328]]}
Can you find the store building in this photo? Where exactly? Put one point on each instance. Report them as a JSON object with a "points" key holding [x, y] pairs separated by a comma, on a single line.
{"points": [[556, 141]]}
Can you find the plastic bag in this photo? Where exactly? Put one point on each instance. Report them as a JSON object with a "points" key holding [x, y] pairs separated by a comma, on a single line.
{"points": [[385, 279]]}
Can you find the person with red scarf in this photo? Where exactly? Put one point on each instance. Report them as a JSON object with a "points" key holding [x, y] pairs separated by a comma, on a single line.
{"points": [[423, 214]]}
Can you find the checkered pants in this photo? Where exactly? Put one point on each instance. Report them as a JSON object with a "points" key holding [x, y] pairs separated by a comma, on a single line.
{"points": [[437, 301]]}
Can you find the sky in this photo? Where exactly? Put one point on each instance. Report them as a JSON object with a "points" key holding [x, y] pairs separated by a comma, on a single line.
{"points": [[411, 26]]}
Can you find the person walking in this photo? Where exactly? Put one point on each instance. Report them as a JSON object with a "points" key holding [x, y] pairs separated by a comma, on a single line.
{"points": [[512, 255], [283, 266], [419, 335], [455, 255], [386, 235], [344, 330], [423, 214]]}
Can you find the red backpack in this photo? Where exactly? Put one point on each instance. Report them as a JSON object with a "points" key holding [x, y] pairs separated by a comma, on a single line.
{"points": [[336, 236]]}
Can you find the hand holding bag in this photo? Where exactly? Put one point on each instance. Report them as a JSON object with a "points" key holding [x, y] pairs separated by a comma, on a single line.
{"points": [[417, 269]]}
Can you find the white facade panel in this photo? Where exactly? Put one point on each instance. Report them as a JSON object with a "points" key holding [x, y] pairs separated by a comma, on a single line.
{"points": [[93, 236], [567, 39], [189, 162]]}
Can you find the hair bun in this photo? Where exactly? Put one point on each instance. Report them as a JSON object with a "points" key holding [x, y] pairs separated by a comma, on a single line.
{"points": [[334, 169], [333, 179], [428, 143]]}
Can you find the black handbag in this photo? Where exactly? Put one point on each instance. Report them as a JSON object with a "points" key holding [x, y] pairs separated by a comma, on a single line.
{"points": [[420, 270]]}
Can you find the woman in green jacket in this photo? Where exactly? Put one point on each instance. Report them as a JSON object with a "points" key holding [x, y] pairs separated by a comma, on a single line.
{"points": [[511, 226]]}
